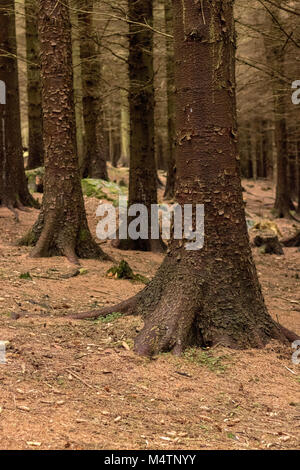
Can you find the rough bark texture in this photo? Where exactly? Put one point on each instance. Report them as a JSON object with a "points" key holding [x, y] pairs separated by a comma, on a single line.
{"points": [[170, 184], [96, 149], [207, 296], [61, 228], [34, 92], [275, 53], [143, 175], [13, 186]]}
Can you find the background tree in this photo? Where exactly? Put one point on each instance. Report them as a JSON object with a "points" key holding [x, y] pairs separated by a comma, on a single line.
{"points": [[35, 114], [13, 187], [275, 52], [170, 183], [143, 175], [96, 149], [61, 228]]}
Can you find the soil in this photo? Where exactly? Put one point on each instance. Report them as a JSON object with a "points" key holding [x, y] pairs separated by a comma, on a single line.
{"points": [[77, 384]]}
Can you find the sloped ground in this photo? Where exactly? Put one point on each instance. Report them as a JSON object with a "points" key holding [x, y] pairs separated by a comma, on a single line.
{"points": [[77, 384]]}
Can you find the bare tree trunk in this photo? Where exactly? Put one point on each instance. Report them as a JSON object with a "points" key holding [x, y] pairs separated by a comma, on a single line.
{"points": [[170, 185], [35, 113], [210, 295], [77, 79], [275, 52], [13, 186], [143, 174], [96, 148], [61, 228], [125, 129]]}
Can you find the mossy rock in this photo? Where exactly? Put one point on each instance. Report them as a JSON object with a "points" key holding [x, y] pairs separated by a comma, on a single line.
{"points": [[124, 271], [102, 189], [32, 176]]}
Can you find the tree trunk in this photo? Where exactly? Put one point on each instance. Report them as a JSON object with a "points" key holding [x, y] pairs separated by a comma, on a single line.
{"points": [[212, 295], [170, 184], [77, 80], [124, 129], [13, 186], [35, 113], [275, 53], [61, 228], [298, 174], [96, 149], [143, 174]]}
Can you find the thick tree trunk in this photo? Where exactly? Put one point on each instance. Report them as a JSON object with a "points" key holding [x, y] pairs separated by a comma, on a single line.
{"points": [[96, 148], [143, 174], [13, 186], [35, 112], [170, 185], [208, 296], [61, 228]]}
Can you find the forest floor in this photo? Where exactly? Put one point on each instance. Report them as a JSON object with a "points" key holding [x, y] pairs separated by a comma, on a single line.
{"points": [[71, 384]]}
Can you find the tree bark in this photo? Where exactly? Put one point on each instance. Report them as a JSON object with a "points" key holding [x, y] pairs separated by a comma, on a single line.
{"points": [[35, 112], [143, 174], [124, 129], [96, 148], [61, 228], [275, 53], [212, 295], [13, 186], [170, 184]]}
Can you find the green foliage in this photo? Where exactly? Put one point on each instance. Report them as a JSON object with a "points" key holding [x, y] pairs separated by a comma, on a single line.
{"points": [[205, 358], [124, 271], [26, 276], [83, 234], [110, 318]]}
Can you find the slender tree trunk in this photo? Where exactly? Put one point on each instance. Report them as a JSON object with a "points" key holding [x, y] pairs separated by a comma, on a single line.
{"points": [[298, 174], [13, 186], [125, 129], [143, 174], [96, 149], [61, 228], [170, 185], [35, 113], [253, 148], [77, 79], [212, 295], [275, 52]]}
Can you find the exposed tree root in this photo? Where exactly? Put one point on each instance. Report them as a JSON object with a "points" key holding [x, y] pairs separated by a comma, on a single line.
{"points": [[181, 311], [127, 307], [291, 336]]}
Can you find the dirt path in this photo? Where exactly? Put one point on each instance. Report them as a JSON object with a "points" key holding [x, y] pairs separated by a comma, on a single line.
{"points": [[77, 384]]}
